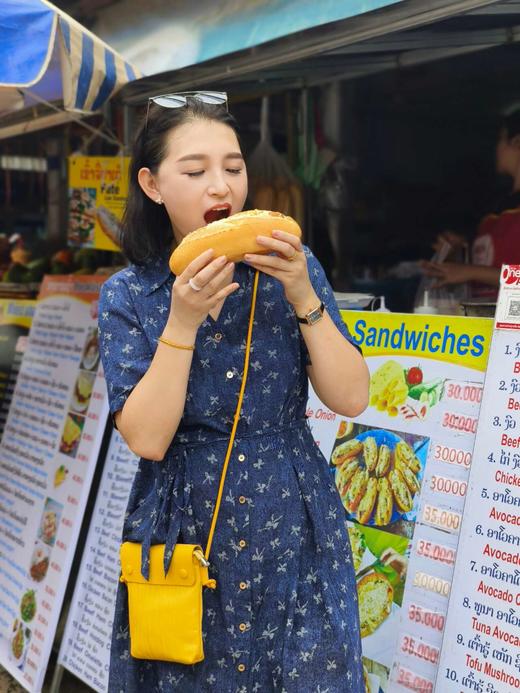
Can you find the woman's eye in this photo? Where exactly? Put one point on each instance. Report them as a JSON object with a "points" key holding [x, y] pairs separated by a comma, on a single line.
{"points": [[234, 171], [194, 174]]}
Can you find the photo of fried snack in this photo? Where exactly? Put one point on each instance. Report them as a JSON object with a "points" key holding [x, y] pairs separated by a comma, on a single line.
{"points": [[401, 492], [356, 490], [370, 453], [346, 451], [383, 461], [384, 502], [345, 474], [366, 505], [405, 454], [375, 595], [374, 474], [411, 480]]}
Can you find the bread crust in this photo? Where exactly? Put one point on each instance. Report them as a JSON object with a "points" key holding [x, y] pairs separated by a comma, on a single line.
{"points": [[232, 237]]}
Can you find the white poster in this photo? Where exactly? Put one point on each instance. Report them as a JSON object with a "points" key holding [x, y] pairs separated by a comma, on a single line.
{"points": [[85, 648], [401, 469], [48, 454], [481, 649]]}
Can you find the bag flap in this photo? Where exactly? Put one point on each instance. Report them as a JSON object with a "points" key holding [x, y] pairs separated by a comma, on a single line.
{"points": [[183, 570]]}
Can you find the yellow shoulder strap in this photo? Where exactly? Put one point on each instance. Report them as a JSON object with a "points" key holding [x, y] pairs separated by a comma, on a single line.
{"points": [[236, 418]]}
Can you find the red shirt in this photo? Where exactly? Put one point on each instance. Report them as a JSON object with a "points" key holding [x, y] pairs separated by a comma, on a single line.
{"points": [[497, 242]]}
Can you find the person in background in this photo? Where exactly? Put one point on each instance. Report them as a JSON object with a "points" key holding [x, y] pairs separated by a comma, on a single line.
{"points": [[497, 241]]}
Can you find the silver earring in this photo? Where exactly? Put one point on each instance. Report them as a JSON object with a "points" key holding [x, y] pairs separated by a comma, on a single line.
{"points": [[159, 201]]}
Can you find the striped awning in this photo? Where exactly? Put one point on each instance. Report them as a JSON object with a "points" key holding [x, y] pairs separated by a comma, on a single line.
{"points": [[46, 56]]}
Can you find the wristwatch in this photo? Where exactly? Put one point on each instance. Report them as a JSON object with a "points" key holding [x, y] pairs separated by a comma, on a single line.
{"points": [[313, 316]]}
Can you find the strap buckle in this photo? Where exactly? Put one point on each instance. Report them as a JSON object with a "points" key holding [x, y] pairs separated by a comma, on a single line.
{"points": [[200, 557]]}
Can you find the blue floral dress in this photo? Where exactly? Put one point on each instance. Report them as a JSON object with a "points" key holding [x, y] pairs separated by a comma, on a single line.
{"points": [[284, 616]]}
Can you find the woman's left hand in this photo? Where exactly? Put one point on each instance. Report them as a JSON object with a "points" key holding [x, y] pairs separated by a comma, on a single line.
{"points": [[289, 266]]}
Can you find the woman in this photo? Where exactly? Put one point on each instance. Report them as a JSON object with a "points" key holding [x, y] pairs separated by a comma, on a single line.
{"points": [[284, 614], [498, 236]]}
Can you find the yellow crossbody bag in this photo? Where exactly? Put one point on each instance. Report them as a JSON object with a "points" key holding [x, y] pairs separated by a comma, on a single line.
{"points": [[165, 611]]}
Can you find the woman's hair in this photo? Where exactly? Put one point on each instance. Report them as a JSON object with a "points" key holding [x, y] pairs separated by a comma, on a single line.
{"points": [[146, 228], [511, 124]]}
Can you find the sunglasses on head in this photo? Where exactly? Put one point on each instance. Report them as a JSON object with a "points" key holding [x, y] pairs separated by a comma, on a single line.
{"points": [[180, 100]]}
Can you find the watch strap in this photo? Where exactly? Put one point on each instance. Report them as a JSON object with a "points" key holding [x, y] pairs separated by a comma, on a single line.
{"points": [[305, 320]]}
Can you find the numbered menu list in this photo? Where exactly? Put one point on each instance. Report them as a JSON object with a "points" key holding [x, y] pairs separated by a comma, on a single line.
{"points": [[481, 647], [48, 453], [85, 648]]}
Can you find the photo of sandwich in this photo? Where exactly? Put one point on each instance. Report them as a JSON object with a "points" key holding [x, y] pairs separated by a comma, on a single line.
{"points": [[109, 224], [378, 474], [82, 391], [71, 435]]}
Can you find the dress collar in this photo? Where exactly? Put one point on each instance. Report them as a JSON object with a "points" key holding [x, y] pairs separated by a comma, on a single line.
{"points": [[153, 274]]}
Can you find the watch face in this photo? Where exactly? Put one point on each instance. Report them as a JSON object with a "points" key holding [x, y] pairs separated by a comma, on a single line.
{"points": [[314, 316]]}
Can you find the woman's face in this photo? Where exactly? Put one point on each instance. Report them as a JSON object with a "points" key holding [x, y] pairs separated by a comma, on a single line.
{"points": [[203, 176]]}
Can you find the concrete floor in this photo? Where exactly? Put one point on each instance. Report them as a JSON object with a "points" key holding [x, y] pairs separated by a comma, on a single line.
{"points": [[69, 684]]}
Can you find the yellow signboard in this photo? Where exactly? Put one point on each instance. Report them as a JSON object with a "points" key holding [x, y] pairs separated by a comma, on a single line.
{"points": [[98, 187]]}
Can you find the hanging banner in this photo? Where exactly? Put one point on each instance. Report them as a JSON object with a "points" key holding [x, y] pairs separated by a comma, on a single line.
{"points": [[481, 649], [98, 188], [401, 469], [48, 453], [15, 320], [85, 648]]}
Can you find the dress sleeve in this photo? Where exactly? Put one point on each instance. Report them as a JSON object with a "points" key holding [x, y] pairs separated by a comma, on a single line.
{"points": [[124, 349], [324, 292]]}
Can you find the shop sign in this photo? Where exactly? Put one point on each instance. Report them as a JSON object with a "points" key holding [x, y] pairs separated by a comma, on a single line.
{"points": [[98, 188], [402, 469]]}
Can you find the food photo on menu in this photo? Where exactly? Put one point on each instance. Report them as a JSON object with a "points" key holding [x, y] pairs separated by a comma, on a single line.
{"points": [[90, 357], [19, 643], [82, 391], [50, 521], [28, 605], [71, 435], [39, 563], [378, 473], [408, 393], [82, 216]]}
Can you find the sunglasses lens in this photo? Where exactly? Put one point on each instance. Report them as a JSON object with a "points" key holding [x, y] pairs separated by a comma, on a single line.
{"points": [[212, 97], [170, 101]]}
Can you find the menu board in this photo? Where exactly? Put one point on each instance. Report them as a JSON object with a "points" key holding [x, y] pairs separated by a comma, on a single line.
{"points": [[98, 187], [15, 320], [48, 452], [85, 648], [401, 469], [481, 649]]}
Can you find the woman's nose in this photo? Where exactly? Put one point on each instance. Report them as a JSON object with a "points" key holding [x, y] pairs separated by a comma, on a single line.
{"points": [[218, 185]]}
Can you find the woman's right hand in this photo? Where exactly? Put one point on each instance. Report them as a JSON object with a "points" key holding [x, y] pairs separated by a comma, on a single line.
{"points": [[189, 308]]}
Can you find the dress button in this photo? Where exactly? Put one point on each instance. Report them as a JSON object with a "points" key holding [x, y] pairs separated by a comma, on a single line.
{"points": [[218, 337], [241, 457], [243, 627], [241, 667], [183, 573], [242, 499], [242, 543], [243, 585], [229, 375]]}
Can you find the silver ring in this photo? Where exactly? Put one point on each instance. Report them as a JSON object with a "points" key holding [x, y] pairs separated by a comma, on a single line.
{"points": [[193, 285]]}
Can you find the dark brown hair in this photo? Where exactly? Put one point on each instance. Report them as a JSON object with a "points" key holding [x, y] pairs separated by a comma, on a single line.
{"points": [[146, 229]]}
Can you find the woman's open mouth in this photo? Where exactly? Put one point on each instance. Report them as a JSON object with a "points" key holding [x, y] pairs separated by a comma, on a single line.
{"points": [[217, 212]]}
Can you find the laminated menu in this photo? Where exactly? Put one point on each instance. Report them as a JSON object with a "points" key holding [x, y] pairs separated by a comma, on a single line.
{"points": [[401, 469], [85, 648], [48, 453], [481, 648]]}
